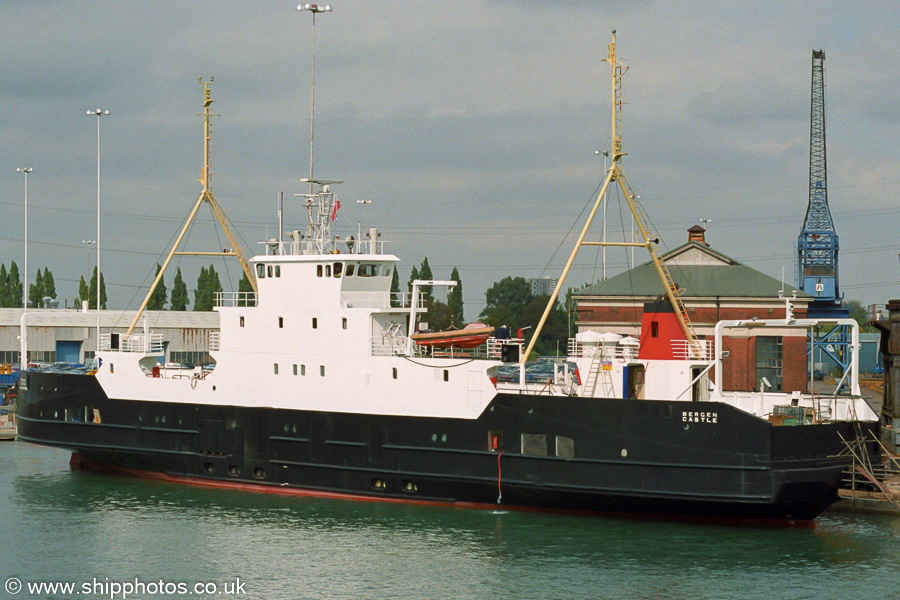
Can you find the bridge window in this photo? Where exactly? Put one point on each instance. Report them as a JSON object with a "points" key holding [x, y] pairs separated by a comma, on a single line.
{"points": [[318, 270], [269, 271], [337, 269], [261, 271], [350, 268], [368, 270]]}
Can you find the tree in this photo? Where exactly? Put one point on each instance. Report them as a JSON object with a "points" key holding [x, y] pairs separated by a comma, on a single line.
{"points": [[245, 291], [207, 285], [49, 284], [554, 335], [425, 274], [93, 290], [395, 288], [439, 317], [157, 299], [859, 313], [4, 287], [84, 292], [505, 301], [179, 299], [16, 289], [413, 275], [36, 291], [455, 300]]}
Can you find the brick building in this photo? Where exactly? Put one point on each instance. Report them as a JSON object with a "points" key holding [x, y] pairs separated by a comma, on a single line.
{"points": [[714, 287]]}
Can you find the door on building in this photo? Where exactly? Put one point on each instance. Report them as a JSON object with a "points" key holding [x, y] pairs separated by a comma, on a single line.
{"points": [[68, 352]]}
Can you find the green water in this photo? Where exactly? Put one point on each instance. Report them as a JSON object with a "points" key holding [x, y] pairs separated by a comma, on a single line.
{"points": [[88, 528]]}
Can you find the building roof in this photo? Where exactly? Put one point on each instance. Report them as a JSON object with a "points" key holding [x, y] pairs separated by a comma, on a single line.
{"points": [[698, 270], [119, 319]]}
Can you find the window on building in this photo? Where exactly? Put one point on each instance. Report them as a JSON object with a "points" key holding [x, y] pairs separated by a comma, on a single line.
{"points": [[769, 361]]}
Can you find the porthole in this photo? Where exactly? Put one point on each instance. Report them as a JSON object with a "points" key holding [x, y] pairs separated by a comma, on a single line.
{"points": [[410, 487], [378, 484], [259, 473], [209, 468], [233, 470]]}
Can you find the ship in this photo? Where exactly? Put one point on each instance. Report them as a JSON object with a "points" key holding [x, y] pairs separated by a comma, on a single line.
{"points": [[319, 388]]}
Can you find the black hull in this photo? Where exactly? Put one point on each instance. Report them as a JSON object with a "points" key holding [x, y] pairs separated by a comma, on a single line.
{"points": [[705, 460]]}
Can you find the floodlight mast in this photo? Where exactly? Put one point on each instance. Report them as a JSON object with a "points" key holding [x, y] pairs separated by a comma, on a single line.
{"points": [[313, 9]]}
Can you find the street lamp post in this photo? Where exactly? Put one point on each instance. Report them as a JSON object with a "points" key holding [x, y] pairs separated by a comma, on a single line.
{"points": [[23, 334], [313, 9], [98, 112]]}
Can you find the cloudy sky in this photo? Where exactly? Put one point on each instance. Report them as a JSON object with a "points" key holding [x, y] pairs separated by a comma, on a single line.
{"points": [[470, 126]]}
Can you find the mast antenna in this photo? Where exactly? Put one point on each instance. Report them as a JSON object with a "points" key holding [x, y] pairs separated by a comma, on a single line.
{"points": [[615, 173], [207, 196]]}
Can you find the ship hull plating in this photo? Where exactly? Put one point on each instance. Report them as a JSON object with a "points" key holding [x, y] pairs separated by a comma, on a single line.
{"points": [[540, 452]]}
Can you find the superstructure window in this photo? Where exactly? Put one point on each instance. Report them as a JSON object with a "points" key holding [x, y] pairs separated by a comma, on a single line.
{"points": [[327, 270], [368, 270], [318, 270], [350, 268], [261, 271], [337, 269], [270, 271], [277, 270], [344, 322], [281, 322], [386, 271], [276, 368], [315, 323], [242, 321]]}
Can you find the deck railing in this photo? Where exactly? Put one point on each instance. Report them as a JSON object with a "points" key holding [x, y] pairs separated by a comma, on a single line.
{"points": [[146, 343], [235, 298]]}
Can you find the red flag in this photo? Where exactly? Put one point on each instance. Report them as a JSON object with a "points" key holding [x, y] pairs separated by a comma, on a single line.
{"points": [[337, 205]]}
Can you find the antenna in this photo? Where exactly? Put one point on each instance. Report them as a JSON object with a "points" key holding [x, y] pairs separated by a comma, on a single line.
{"points": [[616, 174], [206, 195]]}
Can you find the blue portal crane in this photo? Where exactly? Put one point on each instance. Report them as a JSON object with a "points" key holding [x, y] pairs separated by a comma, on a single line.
{"points": [[817, 246]]}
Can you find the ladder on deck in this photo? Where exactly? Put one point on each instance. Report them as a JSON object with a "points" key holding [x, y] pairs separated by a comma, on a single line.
{"points": [[598, 372]]}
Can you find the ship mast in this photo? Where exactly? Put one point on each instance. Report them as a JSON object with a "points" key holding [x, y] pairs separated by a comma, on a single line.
{"points": [[615, 174], [205, 196]]}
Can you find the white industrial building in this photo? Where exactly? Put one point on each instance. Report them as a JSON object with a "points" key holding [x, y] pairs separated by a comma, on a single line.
{"points": [[70, 336]]}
